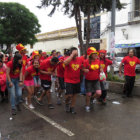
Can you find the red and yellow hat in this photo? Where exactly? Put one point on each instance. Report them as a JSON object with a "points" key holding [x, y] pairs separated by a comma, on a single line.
{"points": [[103, 51], [35, 53], [91, 50], [20, 47]]}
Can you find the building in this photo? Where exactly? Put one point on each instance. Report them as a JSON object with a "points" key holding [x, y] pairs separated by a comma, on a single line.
{"points": [[126, 30], [58, 40]]}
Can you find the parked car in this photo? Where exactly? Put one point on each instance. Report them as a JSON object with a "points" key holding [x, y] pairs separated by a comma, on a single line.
{"points": [[116, 65]]}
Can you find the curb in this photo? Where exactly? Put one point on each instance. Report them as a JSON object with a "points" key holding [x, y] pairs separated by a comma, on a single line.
{"points": [[117, 87]]}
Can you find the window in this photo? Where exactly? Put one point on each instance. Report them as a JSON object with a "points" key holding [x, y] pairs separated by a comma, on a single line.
{"points": [[137, 8]]}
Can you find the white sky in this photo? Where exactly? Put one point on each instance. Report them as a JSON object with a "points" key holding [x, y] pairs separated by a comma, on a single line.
{"points": [[56, 22]]}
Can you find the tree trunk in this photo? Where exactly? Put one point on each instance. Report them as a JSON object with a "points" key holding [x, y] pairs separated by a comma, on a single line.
{"points": [[88, 29], [79, 26]]}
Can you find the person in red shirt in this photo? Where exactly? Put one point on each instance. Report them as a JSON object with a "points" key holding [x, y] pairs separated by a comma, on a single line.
{"points": [[47, 69], [60, 75], [22, 51], [104, 63], [15, 83], [30, 72], [92, 83], [73, 67], [3, 94], [130, 63], [43, 56], [53, 54]]}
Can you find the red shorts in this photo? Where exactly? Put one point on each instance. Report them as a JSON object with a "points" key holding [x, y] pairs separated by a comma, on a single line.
{"points": [[29, 82]]}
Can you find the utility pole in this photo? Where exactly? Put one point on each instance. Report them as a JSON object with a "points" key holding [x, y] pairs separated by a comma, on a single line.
{"points": [[113, 16], [112, 35]]}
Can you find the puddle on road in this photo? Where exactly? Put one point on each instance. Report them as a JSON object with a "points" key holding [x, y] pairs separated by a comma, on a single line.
{"points": [[116, 102]]}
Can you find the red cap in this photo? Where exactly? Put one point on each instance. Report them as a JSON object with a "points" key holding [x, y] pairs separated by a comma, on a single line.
{"points": [[20, 47]]}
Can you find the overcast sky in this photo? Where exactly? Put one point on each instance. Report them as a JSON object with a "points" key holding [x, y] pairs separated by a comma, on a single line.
{"points": [[56, 22]]}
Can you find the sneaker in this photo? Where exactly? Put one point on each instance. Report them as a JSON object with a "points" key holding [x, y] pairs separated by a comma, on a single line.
{"points": [[51, 106], [87, 109], [67, 108], [13, 111], [26, 102], [94, 101], [18, 107], [59, 101], [31, 106], [72, 110], [39, 102]]}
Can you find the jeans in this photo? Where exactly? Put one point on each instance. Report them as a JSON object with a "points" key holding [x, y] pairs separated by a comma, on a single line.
{"points": [[15, 92], [129, 84], [82, 86]]}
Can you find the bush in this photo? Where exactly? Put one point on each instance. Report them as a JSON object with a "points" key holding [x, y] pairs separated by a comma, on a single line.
{"points": [[114, 78]]}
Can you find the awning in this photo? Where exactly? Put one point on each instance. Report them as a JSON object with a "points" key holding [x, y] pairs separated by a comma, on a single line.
{"points": [[127, 45]]}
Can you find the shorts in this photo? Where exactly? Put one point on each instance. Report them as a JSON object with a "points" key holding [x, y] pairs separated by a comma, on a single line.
{"points": [[61, 83], [46, 85], [37, 81], [72, 88], [28, 83], [92, 85]]}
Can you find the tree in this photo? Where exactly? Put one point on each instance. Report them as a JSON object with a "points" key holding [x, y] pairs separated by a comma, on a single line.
{"points": [[73, 8], [17, 25]]}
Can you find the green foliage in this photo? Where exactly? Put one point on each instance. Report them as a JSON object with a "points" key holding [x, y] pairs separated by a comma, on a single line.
{"points": [[69, 6], [114, 78], [17, 24]]}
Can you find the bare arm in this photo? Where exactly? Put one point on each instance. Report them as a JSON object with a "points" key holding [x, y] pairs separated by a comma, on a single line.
{"points": [[120, 69], [67, 61], [8, 75]]}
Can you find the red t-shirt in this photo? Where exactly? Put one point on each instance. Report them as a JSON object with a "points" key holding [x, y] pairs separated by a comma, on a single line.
{"points": [[130, 65], [24, 63], [3, 69], [104, 64], [60, 68], [50, 57], [14, 74], [31, 73], [48, 67], [72, 71], [94, 69], [42, 59]]}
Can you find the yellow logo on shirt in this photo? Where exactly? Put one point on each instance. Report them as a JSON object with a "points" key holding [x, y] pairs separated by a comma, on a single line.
{"points": [[33, 74], [1, 72], [63, 65], [94, 67], [24, 62], [132, 63], [16, 71], [103, 66], [50, 69], [75, 66]]}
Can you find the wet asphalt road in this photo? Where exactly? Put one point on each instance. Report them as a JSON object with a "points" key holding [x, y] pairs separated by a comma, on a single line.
{"points": [[110, 122]]}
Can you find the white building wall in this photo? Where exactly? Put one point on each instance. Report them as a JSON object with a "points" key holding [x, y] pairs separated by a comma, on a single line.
{"points": [[58, 45], [121, 18]]}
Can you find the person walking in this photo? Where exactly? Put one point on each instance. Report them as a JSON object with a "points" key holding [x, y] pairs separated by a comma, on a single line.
{"points": [[130, 63]]}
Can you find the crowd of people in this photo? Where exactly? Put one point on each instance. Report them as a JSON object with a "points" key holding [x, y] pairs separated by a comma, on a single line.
{"points": [[70, 74]]}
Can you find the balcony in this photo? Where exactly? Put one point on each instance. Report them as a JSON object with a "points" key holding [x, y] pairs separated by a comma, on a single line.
{"points": [[134, 17]]}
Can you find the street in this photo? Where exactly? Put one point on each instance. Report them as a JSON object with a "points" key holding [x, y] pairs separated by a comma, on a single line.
{"points": [[118, 121]]}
